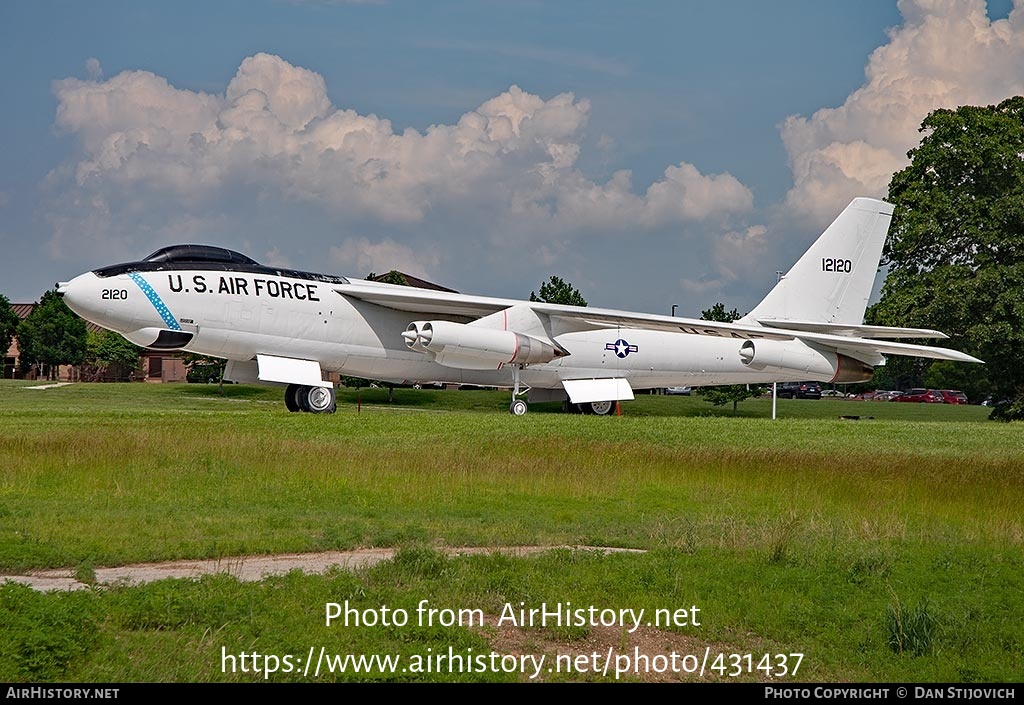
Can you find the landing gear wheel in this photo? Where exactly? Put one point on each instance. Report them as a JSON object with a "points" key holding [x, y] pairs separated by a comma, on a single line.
{"points": [[291, 397], [601, 408], [517, 407], [318, 400]]}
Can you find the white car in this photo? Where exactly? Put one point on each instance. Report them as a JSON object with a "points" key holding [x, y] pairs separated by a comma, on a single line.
{"points": [[685, 391]]}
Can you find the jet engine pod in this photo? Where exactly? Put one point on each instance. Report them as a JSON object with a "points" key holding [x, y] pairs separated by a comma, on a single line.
{"points": [[472, 347], [796, 357], [415, 338], [160, 338]]}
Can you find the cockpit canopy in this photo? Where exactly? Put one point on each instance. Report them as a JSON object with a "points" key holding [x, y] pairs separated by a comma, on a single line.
{"points": [[199, 253], [207, 258]]}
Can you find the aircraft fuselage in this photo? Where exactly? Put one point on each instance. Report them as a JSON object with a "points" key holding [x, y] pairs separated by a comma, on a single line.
{"points": [[240, 314]]}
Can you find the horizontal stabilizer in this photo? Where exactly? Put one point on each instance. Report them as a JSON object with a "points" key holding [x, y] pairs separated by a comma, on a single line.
{"points": [[851, 330], [858, 347]]}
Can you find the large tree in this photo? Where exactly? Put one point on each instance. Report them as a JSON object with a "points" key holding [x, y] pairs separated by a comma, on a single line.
{"points": [[51, 336], [955, 250], [558, 291]]}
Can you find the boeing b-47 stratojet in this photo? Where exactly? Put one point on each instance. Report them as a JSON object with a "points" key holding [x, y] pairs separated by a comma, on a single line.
{"points": [[289, 327]]}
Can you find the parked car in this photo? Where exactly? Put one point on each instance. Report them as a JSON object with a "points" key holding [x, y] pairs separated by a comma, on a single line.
{"points": [[685, 391], [931, 396], [833, 393], [882, 395], [799, 390], [953, 396]]}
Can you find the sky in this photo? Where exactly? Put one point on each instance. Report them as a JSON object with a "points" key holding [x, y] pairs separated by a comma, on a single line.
{"points": [[651, 153]]}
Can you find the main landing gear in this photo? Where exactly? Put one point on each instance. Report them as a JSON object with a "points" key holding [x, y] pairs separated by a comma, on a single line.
{"points": [[316, 400], [599, 408], [518, 407]]}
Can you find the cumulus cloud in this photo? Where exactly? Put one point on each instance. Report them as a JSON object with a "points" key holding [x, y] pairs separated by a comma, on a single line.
{"points": [[93, 69], [361, 256], [737, 255], [508, 165], [947, 53], [740, 252]]}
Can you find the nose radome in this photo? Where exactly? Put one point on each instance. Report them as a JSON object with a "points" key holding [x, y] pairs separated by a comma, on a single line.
{"points": [[82, 295], [102, 301]]}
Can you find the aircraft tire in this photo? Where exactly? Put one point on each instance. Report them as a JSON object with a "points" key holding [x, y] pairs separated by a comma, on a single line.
{"points": [[518, 407], [291, 397], [600, 408], [318, 400]]}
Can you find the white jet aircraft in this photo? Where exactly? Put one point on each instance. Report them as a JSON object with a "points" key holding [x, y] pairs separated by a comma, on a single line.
{"points": [[288, 327]]}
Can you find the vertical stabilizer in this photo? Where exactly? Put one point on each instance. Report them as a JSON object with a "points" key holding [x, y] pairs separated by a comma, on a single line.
{"points": [[832, 282]]}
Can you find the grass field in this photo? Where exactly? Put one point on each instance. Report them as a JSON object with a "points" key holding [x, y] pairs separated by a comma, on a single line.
{"points": [[883, 549]]}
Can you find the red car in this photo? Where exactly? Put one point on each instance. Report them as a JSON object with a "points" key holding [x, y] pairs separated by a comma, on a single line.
{"points": [[953, 396], [933, 396]]}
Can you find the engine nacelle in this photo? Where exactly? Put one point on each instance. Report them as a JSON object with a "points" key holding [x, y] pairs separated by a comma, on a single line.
{"points": [[159, 338], [797, 357], [470, 347]]}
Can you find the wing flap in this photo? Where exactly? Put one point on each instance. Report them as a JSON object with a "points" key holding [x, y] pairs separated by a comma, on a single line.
{"points": [[584, 391], [289, 370]]}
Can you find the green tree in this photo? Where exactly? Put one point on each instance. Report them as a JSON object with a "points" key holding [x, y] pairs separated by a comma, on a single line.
{"points": [[955, 250], [8, 324], [728, 393], [51, 336], [107, 351], [557, 291], [392, 277], [204, 368], [718, 313]]}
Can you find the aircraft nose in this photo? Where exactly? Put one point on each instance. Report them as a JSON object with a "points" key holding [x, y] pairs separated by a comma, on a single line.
{"points": [[81, 295]]}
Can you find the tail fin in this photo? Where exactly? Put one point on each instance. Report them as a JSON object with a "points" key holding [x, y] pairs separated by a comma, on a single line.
{"points": [[831, 283]]}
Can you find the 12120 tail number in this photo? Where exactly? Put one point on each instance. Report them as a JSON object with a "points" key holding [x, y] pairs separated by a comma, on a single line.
{"points": [[828, 264]]}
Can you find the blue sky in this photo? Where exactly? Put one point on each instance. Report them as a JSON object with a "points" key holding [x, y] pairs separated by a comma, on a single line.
{"points": [[651, 153]]}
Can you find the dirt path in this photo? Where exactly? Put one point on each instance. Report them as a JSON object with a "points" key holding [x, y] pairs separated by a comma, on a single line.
{"points": [[253, 568]]}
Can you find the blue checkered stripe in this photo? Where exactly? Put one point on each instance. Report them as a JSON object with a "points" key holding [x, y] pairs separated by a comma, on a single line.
{"points": [[154, 298]]}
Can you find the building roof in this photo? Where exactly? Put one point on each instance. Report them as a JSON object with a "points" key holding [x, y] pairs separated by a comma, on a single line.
{"points": [[22, 310], [413, 281]]}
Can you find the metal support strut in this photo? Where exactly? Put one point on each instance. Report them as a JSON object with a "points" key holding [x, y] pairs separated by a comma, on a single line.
{"points": [[518, 407]]}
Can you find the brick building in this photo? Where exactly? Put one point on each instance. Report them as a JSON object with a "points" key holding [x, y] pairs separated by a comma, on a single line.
{"points": [[154, 365]]}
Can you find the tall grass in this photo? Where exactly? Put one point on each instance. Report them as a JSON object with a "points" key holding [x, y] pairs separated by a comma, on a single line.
{"points": [[792, 534]]}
